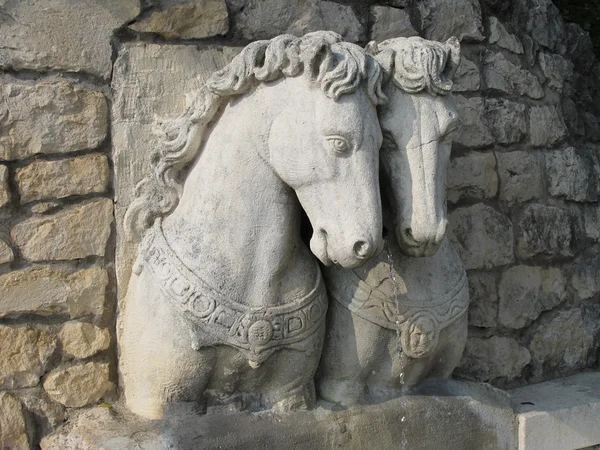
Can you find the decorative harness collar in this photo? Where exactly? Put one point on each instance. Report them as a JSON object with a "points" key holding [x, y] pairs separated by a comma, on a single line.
{"points": [[215, 319]]}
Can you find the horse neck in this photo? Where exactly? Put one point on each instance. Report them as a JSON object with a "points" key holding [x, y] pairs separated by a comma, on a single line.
{"points": [[237, 223]]}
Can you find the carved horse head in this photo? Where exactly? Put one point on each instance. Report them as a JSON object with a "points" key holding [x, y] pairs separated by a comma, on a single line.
{"points": [[417, 122]]}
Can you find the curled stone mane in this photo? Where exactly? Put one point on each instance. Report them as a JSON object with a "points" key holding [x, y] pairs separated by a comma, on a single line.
{"points": [[337, 67], [417, 65]]}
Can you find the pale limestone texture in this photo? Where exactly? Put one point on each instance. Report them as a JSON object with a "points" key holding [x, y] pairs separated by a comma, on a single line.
{"points": [[504, 75], [193, 19], [520, 176], [472, 131], [494, 357], [586, 275], [83, 340], [483, 300], [544, 230], [557, 70], [482, 236], [46, 291], [506, 120], [502, 38], [389, 23], [13, 431], [6, 253], [58, 179], [468, 76], [472, 176], [74, 232], [79, 385], [50, 118], [24, 353], [37, 402], [573, 174], [62, 34], [4, 188], [546, 126], [525, 292], [264, 19], [441, 19]]}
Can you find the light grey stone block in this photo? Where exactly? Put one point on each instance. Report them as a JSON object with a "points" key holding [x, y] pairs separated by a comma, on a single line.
{"points": [[472, 176], [544, 230], [502, 38], [503, 75], [520, 176], [441, 19], [390, 23]]}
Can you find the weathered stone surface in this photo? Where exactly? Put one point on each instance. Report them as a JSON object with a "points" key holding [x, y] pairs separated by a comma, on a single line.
{"points": [[24, 353], [525, 292], [544, 230], [83, 340], [556, 69], [563, 344], [79, 385], [573, 174], [502, 38], [483, 237], [75, 232], [62, 35], [483, 300], [44, 207], [472, 176], [585, 276], [4, 188], [472, 130], [520, 176], [50, 118], [265, 19], [6, 253], [542, 21], [572, 117], [591, 222], [503, 75], [46, 291], [58, 179], [546, 126], [194, 19], [390, 23], [506, 120], [467, 77], [591, 125], [487, 359], [37, 401], [441, 19], [13, 431]]}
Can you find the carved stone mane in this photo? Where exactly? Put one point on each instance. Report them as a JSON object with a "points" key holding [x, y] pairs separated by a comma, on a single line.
{"points": [[339, 67], [416, 65]]}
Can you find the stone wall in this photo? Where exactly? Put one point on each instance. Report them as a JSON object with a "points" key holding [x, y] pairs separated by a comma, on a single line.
{"points": [[524, 183]]}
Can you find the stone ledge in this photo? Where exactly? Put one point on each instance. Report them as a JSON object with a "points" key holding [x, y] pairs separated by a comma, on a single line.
{"points": [[561, 414]]}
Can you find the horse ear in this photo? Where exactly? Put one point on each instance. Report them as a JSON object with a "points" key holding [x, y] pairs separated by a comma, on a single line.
{"points": [[371, 48], [453, 62]]}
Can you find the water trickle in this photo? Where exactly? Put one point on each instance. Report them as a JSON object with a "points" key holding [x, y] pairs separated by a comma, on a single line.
{"points": [[396, 297]]}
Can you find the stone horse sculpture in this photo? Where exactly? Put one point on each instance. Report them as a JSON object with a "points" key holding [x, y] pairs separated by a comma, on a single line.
{"points": [[402, 316], [226, 303]]}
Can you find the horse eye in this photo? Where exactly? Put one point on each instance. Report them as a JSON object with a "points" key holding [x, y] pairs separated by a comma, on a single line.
{"points": [[339, 145]]}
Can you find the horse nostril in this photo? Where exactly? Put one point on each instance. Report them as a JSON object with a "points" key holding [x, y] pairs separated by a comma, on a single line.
{"points": [[362, 249]]}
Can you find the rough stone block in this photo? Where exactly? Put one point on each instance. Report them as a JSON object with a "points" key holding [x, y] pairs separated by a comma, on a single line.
{"points": [[487, 359], [525, 292], [591, 222], [24, 353], [573, 174], [502, 38], [585, 276], [520, 177], [483, 300], [506, 120], [13, 430], [441, 19], [544, 230], [79, 385], [483, 237], [542, 21], [556, 69], [4, 188], [546, 126], [73, 233], [36, 401], [83, 340], [390, 23], [562, 413], [265, 19], [472, 176], [45, 291], [505, 76], [562, 344], [6, 253], [58, 179], [50, 118], [193, 19], [62, 34], [467, 77], [472, 130]]}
